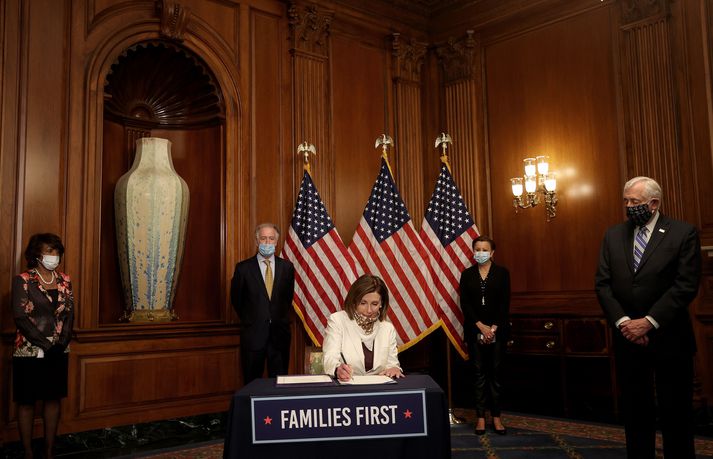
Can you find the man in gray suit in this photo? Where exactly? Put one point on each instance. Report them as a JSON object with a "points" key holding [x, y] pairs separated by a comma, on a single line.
{"points": [[261, 293], [649, 272]]}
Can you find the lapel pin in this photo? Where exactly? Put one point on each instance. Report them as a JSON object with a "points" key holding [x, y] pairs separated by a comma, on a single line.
{"points": [[661, 230]]}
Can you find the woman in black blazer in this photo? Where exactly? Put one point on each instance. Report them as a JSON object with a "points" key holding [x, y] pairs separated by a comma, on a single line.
{"points": [[43, 308], [485, 299]]}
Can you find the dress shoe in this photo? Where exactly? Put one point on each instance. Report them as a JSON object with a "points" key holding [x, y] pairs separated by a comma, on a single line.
{"points": [[502, 431], [477, 430]]}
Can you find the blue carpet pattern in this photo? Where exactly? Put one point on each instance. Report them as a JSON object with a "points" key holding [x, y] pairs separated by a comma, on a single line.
{"points": [[528, 437], [532, 437]]}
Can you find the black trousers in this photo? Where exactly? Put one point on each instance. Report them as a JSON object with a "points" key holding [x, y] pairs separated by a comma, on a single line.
{"points": [[253, 361], [645, 378], [486, 360]]}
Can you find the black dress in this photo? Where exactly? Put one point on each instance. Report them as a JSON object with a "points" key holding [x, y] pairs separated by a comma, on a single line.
{"points": [[43, 378]]}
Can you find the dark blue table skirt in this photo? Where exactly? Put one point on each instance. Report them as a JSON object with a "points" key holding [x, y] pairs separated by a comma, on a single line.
{"points": [[238, 438]]}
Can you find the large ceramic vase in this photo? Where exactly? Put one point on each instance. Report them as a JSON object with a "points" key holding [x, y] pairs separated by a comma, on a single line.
{"points": [[151, 206]]}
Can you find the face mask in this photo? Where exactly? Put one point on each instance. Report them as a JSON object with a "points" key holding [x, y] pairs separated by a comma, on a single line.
{"points": [[639, 215], [266, 250], [366, 323], [482, 257], [50, 262]]}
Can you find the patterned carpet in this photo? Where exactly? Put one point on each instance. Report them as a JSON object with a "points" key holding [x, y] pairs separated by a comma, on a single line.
{"points": [[528, 438], [211, 451]]}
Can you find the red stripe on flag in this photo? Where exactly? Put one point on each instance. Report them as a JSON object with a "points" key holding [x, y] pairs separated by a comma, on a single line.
{"points": [[422, 281], [407, 285], [428, 242], [324, 271], [299, 260], [344, 251], [327, 248], [365, 240], [393, 290]]}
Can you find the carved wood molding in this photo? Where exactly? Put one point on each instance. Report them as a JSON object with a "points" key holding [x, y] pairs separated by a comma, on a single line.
{"points": [[461, 107], [309, 36], [650, 106], [312, 123], [409, 147], [633, 11], [407, 60], [190, 96], [309, 28], [408, 55], [174, 19], [457, 57]]}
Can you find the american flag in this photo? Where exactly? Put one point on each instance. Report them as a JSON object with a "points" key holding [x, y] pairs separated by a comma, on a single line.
{"points": [[448, 231], [324, 270], [386, 244]]}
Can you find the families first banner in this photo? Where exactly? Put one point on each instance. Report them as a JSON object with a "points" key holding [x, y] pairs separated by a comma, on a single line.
{"points": [[339, 416]]}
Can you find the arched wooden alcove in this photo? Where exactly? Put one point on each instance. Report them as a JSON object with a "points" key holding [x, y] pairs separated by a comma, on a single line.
{"points": [[160, 89]]}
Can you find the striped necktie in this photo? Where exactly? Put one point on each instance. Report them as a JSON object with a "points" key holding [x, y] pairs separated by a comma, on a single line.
{"points": [[268, 278], [639, 246]]}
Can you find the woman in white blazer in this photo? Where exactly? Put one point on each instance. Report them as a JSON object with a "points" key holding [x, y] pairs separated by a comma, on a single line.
{"points": [[360, 340]]}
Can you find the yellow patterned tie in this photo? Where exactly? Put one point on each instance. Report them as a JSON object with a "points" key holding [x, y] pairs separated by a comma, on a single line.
{"points": [[268, 278]]}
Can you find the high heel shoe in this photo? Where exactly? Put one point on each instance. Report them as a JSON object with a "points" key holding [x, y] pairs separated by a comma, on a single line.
{"points": [[479, 431], [502, 431]]}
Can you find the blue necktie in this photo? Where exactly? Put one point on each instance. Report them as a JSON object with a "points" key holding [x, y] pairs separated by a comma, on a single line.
{"points": [[639, 246]]}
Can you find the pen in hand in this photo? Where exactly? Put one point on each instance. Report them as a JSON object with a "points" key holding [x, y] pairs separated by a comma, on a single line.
{"points": [[349, 368]]}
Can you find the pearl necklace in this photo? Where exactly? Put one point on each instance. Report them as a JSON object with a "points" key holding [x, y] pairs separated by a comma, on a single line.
{"points": [[54, 276]]}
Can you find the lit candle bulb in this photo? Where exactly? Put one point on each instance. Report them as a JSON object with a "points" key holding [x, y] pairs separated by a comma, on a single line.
{"points": [[550, 182], [530, 184], [516, 183], [543, 165], [530, 167]]}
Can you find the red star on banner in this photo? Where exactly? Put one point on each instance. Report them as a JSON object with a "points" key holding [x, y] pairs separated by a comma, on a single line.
{"points": [[407, 414], [268, 421]]}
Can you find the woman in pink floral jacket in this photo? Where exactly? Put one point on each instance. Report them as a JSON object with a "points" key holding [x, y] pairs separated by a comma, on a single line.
{"points": [[43, 307]]}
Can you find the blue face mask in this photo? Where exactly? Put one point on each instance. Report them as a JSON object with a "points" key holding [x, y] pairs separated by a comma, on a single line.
{"points": [[482, 257], [266, 250]]}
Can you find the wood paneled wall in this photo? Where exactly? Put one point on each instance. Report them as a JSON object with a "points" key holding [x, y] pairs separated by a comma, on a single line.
{"points": [[551, 91], [606, 89]]}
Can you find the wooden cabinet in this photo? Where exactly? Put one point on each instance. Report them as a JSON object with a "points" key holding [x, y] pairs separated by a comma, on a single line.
{"points": [[560, 366]]}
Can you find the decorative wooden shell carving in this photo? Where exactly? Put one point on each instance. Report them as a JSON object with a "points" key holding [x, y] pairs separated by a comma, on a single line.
{"points": [[159, 84]]}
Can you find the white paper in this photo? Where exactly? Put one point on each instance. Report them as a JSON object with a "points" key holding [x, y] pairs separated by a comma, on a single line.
{"points": [[369, 379], [304, 379]]}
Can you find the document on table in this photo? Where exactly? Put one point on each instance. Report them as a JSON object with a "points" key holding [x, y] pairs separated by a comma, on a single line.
{"points": [[304, 379], [368, 379]]}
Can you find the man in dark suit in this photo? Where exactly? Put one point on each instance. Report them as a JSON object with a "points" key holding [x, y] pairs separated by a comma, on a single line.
{"points": [[261, 293], [649, 271]]}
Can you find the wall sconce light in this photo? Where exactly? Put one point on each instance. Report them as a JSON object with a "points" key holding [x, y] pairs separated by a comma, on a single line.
{"points": [[537, 180]]}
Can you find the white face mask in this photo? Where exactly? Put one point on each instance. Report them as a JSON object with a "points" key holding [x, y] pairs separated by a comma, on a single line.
{"points": [[482, 257], [50, 262]]}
